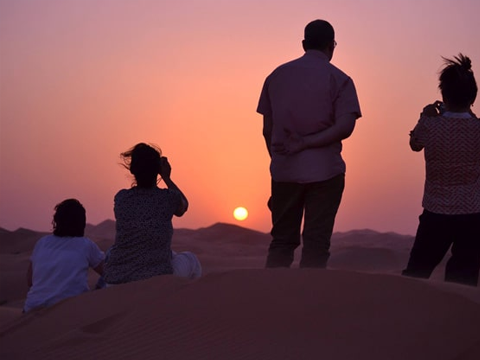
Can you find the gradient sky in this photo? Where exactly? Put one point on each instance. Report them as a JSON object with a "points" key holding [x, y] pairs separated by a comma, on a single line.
{"points": [[82, 80]]}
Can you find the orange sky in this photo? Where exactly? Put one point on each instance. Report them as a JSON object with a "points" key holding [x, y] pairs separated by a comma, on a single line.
{"points": [[83, 80]]}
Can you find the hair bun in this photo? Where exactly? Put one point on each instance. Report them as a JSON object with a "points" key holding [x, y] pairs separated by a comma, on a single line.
{"points": [[464, 62]]}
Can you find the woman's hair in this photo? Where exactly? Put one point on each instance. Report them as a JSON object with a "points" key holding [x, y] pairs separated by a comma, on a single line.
{"points": [[143, 161], [69, 218], [457, 82]]}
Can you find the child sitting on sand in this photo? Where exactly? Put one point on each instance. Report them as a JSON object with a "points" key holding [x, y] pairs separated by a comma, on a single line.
{"points": [[59, 264]]}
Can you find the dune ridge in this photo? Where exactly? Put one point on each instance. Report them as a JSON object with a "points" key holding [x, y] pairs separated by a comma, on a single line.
{"points": [[360, 308], [255, 314]]}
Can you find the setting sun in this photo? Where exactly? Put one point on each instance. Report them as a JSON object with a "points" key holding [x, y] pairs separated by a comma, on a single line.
{"points": [[240, 213]]}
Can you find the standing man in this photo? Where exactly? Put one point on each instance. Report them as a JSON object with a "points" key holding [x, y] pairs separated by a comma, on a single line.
{"points": [[309, 106]]}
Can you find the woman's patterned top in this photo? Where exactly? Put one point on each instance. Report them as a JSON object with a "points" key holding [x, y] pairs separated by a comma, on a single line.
{"points": [[143, 234], [452, 158]]}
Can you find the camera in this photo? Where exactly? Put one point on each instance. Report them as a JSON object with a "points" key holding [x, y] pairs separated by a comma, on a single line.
{"points": [[441, 108]]}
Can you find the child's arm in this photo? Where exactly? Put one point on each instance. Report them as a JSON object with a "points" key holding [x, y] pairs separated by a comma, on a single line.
{"points": [[30, 275], [99, 268]]}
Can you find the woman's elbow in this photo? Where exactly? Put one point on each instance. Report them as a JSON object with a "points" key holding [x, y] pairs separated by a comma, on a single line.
{"points": [[182, 209], [415, 146], [180, 213]]}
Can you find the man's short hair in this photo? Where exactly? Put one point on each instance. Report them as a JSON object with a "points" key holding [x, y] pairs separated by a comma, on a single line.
{"points": [[318, 34]]}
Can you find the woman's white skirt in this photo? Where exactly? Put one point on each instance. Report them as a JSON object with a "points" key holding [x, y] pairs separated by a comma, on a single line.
{"points": [[186, 264]]}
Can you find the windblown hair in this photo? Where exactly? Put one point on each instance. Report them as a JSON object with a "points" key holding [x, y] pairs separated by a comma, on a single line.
{"points": [[69, 219], [143, 162], [457, 82], [318, 35]]}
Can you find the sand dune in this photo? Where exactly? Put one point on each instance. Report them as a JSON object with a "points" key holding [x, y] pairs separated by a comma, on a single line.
{"points": [[358, 309], [254, 314]]}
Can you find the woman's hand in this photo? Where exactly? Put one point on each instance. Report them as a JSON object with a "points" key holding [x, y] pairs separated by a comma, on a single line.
{"points": [[435, 109], [164, 168]]}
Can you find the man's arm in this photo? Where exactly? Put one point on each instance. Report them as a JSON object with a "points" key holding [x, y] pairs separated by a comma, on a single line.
{"points": [[341, 129], [267, 132]]}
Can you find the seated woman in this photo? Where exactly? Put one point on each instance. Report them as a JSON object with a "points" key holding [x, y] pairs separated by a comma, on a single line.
{"points": [[144, 227], [59, 264]]}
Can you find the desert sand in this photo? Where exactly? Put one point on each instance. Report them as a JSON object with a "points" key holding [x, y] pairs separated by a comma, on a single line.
{"points": [[360, 308]]}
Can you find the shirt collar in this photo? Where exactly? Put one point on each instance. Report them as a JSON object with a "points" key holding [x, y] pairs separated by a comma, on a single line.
{"points": [[316, 53], [462, 115]]}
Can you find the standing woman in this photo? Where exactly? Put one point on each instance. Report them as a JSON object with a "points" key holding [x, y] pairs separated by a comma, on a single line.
{"points": [[449, 134], [144, 227]]}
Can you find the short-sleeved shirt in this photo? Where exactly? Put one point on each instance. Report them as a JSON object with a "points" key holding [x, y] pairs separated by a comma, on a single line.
{"points": [[60, 269], [305, 96], [452, 162], [143, 237]]}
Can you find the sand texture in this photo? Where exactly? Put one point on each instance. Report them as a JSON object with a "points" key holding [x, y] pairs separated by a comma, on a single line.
{"points": [[360, 308]]}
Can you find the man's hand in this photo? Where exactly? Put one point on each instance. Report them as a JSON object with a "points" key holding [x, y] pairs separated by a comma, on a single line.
{"points": [[293, 144]]}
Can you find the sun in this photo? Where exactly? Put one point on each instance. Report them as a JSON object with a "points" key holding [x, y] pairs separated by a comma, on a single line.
{"points": [[240, 213]]}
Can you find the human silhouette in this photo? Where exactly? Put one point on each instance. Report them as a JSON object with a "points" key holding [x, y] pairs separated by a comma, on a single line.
{"points": [[59, 263], [309, 106], [144, 229], [449, 134]]}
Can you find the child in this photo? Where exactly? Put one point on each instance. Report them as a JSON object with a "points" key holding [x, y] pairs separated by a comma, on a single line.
{"points": [[59, 264]]}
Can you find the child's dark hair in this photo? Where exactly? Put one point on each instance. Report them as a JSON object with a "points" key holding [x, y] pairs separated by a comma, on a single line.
{"points": [[457, 82], [69, 218], [143, 161]]}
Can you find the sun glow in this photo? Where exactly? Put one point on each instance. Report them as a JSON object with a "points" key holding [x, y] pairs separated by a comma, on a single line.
{"points": [[240, 213]]}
